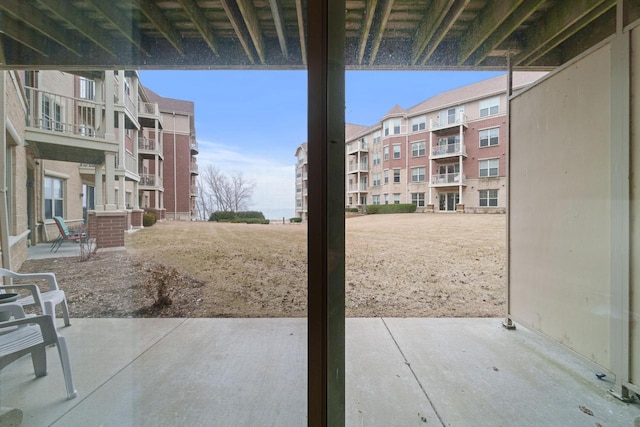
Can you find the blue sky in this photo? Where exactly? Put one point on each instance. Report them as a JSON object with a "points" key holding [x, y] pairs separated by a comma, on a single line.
{"points": [[253, 121]]}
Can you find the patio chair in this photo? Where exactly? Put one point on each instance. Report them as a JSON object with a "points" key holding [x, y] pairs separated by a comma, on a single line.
{"points": [[46, 300], [65, 235], [31, 335]]}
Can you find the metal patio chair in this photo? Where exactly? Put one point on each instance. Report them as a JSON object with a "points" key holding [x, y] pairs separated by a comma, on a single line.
{"points": [[65, 235]]}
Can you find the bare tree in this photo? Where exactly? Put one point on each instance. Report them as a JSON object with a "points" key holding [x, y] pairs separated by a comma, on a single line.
{"points": [[224, 193]]}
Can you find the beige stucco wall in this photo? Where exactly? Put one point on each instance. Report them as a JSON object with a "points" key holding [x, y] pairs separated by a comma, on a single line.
{"points": [[73, 189], [560, 207], [635, 209]]}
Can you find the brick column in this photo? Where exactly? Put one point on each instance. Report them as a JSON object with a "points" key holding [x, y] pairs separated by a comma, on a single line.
{"points": [[108, 228], [136, 218]]}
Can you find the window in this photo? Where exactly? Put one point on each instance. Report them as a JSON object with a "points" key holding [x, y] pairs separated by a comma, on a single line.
{"points": [[396, 198], [298, 203], [53, 197], [489, 107], [391, 127], [489, 137], [488, 167], [418, 123], [396, 151], [418, 199], [488, 198], [51, 114], [87, 89], [396, 176], [386, 177], [418, 149], [417, 174], [376, 137], [386, 198], [376, 179], [376, 158], [298, 188], [451, 116], [376, 199], [385, 152]]}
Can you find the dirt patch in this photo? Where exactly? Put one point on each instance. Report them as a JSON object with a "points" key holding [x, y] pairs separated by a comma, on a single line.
{"points": [[411, 265]]}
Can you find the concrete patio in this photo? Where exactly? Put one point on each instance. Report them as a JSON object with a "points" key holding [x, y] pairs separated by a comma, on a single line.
{"points": [[250, 372]]}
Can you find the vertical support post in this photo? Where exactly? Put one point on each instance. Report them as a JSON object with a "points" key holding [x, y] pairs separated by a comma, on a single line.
{"points": [[4, 203], [508, 323], [110, 177], [99, 200], [620, 206], [430, 164], [109, 110], [326, 230]]}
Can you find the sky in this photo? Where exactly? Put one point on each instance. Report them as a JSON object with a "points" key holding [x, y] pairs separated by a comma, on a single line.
{"points": [[253, 121]]}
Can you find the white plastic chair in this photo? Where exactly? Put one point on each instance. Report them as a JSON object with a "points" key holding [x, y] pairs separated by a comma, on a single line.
{"points": [[31, 335], [46, 300]]}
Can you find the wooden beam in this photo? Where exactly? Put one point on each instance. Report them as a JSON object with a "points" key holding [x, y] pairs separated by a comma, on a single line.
{"points": [[369, 13], [162, 24], [278, 21], [301, 30], [550, 27], [26, 36], [510, 24], [34, 18], [65, 11], [196, 16], [450, 18], [250, 17], [236, 19], [387, 6], [125, 26], [433, 17], [572, 29], [485, 24]]}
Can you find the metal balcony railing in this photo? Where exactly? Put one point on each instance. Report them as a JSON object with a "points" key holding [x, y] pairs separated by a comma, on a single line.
{"points": [[448, 179], [358, 187], [358, 167], [147, 144], [449, 121], [148, 108], [456, 149], [194, 144], [356, 146], [193, 167]]}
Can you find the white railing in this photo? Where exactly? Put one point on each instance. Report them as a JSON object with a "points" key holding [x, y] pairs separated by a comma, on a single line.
{"points": [[354, 147], [148, 144], [150, 180], [458, 119], [150, 108], [358, 187], [193, 167], [194, 144], [130, 162], [448, 179], [64, 114], [449, 149], [358, 166], [128, 102], [194, 190]]}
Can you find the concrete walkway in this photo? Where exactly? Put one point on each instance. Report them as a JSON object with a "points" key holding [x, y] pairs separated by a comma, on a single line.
{"points": [[252, 372]]}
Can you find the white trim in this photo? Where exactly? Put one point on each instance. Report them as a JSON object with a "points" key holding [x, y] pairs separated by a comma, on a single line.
{"points": [[54, 174]]}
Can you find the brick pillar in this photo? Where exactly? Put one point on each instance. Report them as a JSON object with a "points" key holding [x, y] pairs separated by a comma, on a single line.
{"points": [[460, 208], [430, 208], [136, 218], [108, 228]]}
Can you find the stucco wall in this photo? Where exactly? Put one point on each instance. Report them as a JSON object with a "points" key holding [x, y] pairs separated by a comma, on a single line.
{"points": [[560, 206], [635, 208]]}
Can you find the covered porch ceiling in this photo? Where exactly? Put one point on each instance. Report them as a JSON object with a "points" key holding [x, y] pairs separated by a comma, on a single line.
{"points": [[272, 34]]}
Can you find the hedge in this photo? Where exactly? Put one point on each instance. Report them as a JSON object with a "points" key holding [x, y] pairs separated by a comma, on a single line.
{"points": [[148, 219], [295, 219], [250, 214], [222, 215], [230, 216], [250, 221], [351, 210], [389, 209]]}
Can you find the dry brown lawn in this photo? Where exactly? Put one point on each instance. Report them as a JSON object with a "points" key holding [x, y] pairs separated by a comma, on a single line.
{"points": [[404, 265]]}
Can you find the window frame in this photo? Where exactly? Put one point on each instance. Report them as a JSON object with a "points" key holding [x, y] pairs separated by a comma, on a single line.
{"points": [[489, 137], [419, 152], [397, 151], [385, 153], [489, 167], [490, 105], [418, 199], [57, 203], [396, 176], [418, 177], [486, 196], [419, 123]]}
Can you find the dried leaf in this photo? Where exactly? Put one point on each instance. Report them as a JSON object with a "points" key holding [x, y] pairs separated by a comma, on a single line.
{"points": [[586, 410]]}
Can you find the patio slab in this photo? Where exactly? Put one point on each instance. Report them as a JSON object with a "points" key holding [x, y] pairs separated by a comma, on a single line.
{"points": [[219, 372]]}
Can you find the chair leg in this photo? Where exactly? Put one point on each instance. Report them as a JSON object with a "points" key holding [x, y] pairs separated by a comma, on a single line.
{"points": [[65, 312], [66, 367], [39, 360]]}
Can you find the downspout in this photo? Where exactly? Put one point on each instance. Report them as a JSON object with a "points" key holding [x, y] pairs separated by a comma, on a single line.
{"points": [[4, 207], [175, 187]]}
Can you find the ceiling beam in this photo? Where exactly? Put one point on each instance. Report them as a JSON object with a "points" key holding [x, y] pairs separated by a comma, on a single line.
{"points": [[125, 26], [250, 17], [510, 24], [196, 16], [278, 21], [301, 31], [43, 24], [449, 20], [386, 7], [369, 13], [485, 24], [554, 23], [433, 17], [161, 23], [65, 11], [23, 35], [236, 20]]}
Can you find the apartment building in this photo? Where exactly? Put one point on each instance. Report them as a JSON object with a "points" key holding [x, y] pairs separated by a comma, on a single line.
{"points": [[446, 154], [88, 147], [302, 182]]}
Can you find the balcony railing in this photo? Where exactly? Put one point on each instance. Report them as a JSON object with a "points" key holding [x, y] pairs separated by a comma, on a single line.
{"points": [[150, 180], [447, 122], [358, 187], [194, 190], [448, 179], [194, 145], [64, 114], [148, 108], [358, 167], [193, 167], [148, 144], [456, 149], [130, 162], [354, 147]]}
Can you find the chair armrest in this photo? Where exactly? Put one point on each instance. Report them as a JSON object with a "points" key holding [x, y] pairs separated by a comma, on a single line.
{"points": [[49, 277], [44, 321], [16, 310], [34, 289]]}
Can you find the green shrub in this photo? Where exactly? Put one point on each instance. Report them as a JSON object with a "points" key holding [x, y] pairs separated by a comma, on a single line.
{"points": [[389, 209], [250, 214], [295, 219], [148, 219], [222, 215], [351, 210], [249, 221]]}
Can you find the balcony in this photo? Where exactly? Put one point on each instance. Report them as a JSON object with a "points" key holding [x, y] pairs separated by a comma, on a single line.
{"points": [[460, 119], [148, 146], [193, 168], [448, 180], [358, 167], [357, 146], [150, 180], [194, 190], [148, 114], [448, 150], [358, 188], [194, 145]]}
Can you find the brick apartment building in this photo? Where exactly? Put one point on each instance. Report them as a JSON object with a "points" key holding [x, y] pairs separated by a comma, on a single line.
{"points": [[94, 148]]}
